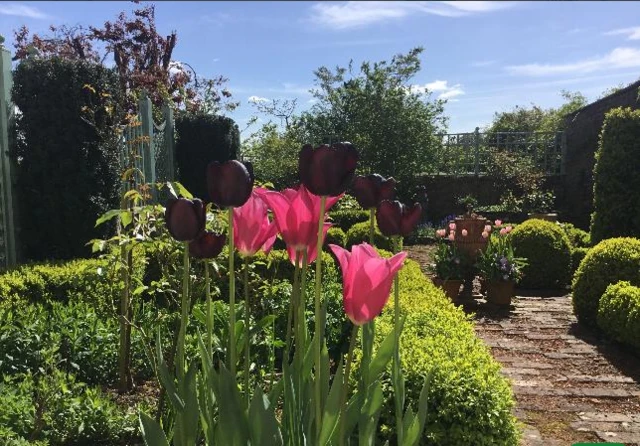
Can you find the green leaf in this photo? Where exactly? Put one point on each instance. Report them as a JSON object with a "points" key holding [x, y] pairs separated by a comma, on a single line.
{"points": [[233, 427], [109, 215], [332, 408], [383, 355], [413, 433], [126, 217], [176, 190], [152, 433], [263, 424]]}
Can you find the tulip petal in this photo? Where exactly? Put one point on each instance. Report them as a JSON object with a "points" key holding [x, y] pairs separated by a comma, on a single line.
{"points": [[229, 184], [387, 189], [364, 190], [389, 217], [207, 246], [410, 219], [185, 219]]}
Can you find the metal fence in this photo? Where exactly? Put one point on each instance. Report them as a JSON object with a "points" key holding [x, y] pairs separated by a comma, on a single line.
{"points": [[470, 153], [8, 242]]}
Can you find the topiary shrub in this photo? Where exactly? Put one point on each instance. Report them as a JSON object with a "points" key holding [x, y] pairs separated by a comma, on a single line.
{"points": [[335, 236], [67, 169], [577, 255], [346, 218], [360, 233], [609, 262], [616, 182], [200, 140], [619, 313], [578, 237], [548, 253]]}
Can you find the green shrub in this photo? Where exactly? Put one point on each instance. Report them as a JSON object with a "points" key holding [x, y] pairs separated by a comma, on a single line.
{"points": [[360, 233], [336, 236], [67, 170], [346, 218], [469, 401], [619, 313], [578, 237], [200, 140], [577, 255], [548, 253], [616, 201], [422, 235], [609, 262]]}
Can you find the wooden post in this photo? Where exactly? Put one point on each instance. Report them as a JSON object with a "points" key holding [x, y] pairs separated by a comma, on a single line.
{"points": [[169, 142], [7, 214], [148, 149], [476, 168]]}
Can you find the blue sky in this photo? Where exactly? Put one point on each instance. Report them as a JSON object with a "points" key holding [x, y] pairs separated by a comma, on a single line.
{"points": [[482, 56]]}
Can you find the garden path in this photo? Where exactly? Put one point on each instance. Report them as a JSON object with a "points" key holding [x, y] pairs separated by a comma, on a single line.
{"points": [[570, 385]]}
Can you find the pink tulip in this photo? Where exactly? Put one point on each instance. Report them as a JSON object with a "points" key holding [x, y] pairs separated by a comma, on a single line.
{"points": [[441, 232], [509, 229], [485, 234], [503, 231], [252, 229], [487, 228], [366, 280], [465, 232], [452, 235], [498, 222], [452, 226], [296, 213]]}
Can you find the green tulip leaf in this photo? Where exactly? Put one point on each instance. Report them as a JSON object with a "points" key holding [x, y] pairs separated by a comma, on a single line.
{"points": [[152, 433]]}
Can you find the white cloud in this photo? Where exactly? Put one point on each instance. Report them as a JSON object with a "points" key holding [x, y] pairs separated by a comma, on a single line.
{"points": [[353, 14], [17, 9], [631, 33], [257, 99], [618, 58], [445, 90]]}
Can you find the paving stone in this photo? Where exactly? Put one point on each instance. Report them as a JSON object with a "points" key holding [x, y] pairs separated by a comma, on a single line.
{"points": [[541, 337], [554, 355], [604, 416], [532, 365], [604, 426], [601, 378], [619, 437], [600, 392], [519, 371]]}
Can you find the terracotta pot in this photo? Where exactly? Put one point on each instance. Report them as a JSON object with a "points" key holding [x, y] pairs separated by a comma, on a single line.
{"points": [[473, 242], [500, 292], [544, 216], [451, 287]]}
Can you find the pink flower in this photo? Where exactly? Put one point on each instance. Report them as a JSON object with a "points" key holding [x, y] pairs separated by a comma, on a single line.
{"points": [[509, 229], [485, 234], [366, 280], [465, 232], [503, 231], [441, 232], [452, 235], [487, 228], [296, 213], [452, 226], [498, 222], [252, 229]]}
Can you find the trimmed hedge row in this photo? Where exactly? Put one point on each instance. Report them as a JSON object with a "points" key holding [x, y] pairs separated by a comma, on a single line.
{"points": [[619, 313], [359, 233], [346, 218]]}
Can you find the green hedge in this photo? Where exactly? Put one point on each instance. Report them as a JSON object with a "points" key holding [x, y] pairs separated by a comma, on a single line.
{"points": [[548, 253], [577, 255], [470, 402], [616, 201], [619, 313], [200, 140], [335, 236], [360, 233], [346, 218], [578, 237], [67, 170], [609, 262]]}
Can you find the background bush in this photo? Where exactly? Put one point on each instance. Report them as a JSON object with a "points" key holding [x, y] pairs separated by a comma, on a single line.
{"points": [[345, 218], [619, 313], [360, 233], [67, 172], [335, 236], [609, 262], [616, 182], [548, 253], [578, 237], [200, 140], [577, 255]]}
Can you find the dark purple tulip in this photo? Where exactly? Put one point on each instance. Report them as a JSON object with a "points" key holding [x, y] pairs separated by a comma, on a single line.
{"points": [[372, 189], [394, 218], [207, 246], [327, 170], [229, 183], [185, 219]]}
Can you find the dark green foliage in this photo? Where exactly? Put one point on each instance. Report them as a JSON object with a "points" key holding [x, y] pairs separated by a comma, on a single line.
{"points": [[346, 218], [200, 140], [548, 253], [609, 262], [67, 168], [578, 237], [335, 236], [616, 200], [360, 233], [577, 255], [421, 235], [619, 313]]}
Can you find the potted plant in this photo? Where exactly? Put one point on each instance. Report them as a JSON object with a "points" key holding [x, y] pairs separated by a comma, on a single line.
{"points": [[469, 228], [448, 268], [500, 268], [540, 205]]}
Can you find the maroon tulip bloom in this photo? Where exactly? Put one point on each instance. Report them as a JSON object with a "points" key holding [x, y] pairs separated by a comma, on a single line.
{"points": [[372, 189], [207, 246], [394, 218], [327, 170], [185, 219], [229, 183]]}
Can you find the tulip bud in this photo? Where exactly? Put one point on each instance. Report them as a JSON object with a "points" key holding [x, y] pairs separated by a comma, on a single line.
{"points": [[503, 231], [452, 235], [452, 226], [207, 246], [487, 228], [485, 234], [441, 232], [327, 170], [394, 218], [498, 222], [465, 232], [185, 219], [229, 183], [509, 229], [369, 191]]}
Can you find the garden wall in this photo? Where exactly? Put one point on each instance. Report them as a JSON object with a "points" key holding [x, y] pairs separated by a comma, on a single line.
{"points": [[582, 132]]}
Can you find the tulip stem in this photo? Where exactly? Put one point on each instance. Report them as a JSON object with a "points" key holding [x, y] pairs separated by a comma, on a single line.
{"points": [[318, 320], [207, 290], [184, 320], [398, 393], [293, 308], [345, 385], [247, 331], [232, 300], [303, 301], [372, 230]]}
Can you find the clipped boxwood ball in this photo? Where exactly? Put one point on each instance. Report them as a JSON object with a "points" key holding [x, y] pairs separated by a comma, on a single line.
{"points": [[609, 262], [360, 233], [548, 252], [619, 313], [335, 236]]}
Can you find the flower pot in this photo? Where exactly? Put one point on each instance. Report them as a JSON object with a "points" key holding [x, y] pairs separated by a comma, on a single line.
{"points": [[483, 285], [553, 217], [473, 242], [500, 292], [451, 287]]}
